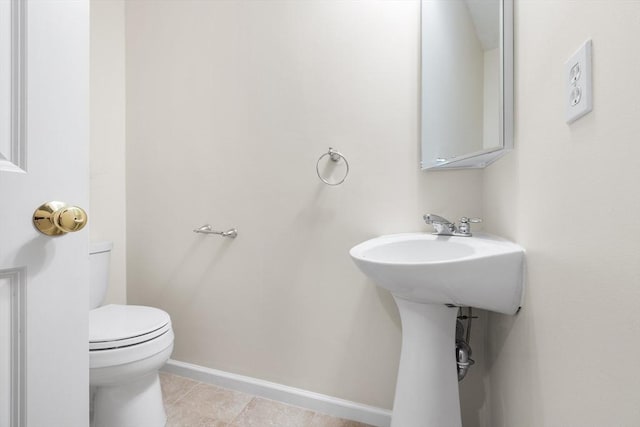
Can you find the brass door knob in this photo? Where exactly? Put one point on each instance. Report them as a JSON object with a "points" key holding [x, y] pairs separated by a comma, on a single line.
{"points": [[56, 218]]}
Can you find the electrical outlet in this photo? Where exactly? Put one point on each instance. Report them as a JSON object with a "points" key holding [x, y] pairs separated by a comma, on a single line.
{"points": [[577, 78]]}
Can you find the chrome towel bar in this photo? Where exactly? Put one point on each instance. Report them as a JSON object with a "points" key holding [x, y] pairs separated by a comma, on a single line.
{"points": [[206, 229]]}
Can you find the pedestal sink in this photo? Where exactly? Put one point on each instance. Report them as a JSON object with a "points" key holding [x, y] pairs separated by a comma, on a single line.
{"points": [[430, 276]]}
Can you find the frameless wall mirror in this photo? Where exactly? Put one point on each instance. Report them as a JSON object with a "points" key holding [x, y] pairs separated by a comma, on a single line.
{"points": [[467, 82]]}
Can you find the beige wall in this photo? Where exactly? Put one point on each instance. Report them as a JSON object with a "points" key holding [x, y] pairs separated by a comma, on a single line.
{"points": [[568, 194], [229, 105], [107, 214]]}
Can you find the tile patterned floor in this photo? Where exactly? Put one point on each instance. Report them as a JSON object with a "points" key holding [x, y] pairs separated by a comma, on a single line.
{"points": [[191, 403]]}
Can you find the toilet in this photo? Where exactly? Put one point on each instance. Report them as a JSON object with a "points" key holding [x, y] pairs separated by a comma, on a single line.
{"points": [[128, 344]]}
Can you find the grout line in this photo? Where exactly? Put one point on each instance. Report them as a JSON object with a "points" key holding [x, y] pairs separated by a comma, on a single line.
{"points": [[232, 422], [186, 392]]}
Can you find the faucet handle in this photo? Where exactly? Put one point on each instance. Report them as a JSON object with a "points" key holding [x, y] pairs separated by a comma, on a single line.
{"points": [[464, 229], [466, 220]]}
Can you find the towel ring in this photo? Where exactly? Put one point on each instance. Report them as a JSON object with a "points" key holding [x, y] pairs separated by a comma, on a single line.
{"points": [[334, 156]]}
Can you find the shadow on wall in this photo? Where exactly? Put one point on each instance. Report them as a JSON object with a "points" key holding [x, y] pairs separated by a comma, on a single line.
{"points": [[499, 328], [518, 328], [184, 294], [356, 343]]}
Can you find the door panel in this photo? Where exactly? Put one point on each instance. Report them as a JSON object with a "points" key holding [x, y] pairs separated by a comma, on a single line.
{"points": [[12, 347], [13, 15], [43, 157]]}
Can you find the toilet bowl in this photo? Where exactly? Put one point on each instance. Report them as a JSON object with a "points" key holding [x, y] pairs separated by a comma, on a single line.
{"points": [[128, 344]]}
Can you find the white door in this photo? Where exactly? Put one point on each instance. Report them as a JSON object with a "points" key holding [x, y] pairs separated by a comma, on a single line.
{"points": [[44, 70]]}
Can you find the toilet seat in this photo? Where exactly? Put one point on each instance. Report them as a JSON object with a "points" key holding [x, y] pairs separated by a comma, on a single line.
{"points": [[116, 326], [127, 334]]}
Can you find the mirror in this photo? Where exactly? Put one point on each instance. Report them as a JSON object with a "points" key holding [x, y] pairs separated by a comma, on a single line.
{"points": [[467, 82]]}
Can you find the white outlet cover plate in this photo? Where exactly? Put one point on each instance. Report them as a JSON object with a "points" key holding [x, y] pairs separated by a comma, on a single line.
{"points": [[578, 94]]}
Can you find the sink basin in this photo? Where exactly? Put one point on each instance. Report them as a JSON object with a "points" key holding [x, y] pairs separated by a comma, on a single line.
{"points": [[429, 276], [482, 271]]}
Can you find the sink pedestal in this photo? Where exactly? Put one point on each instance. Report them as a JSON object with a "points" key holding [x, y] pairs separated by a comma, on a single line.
{"points": [[427, 387], [424, 273]]}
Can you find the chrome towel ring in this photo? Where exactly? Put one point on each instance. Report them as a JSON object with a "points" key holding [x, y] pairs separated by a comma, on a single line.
{"points": [[334, 156]]}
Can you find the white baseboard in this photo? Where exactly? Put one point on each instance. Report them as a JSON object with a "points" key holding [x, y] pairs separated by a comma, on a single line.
{"points": [[293, 396]]}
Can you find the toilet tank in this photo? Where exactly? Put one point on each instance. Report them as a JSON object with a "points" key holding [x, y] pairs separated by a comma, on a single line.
{"points": [[99, 255]]}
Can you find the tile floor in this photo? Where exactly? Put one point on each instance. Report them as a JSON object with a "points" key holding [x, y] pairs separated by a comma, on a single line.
{"points": [[191, 403]]}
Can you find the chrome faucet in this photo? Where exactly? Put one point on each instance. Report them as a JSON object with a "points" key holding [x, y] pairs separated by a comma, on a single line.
{"points": [[441, 226], [444, 227]]}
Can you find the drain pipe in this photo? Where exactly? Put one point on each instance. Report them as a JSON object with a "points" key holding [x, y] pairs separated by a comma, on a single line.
{"points": [[463, 350]]}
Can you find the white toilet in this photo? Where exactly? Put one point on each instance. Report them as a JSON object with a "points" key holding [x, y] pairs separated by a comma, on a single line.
{"points": [[127, 346]]}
